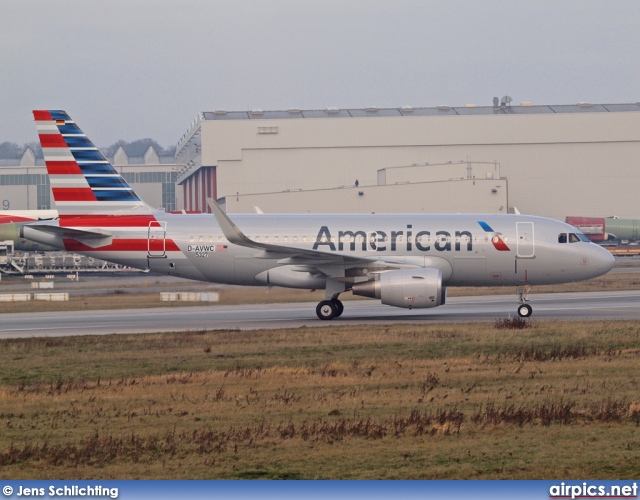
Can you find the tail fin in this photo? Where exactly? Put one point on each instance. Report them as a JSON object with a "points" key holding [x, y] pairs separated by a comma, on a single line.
{"points": [[83, 181]]}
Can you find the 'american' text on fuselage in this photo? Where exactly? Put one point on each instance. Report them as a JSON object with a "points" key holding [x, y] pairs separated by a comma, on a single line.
{"points": [[396, 241]]}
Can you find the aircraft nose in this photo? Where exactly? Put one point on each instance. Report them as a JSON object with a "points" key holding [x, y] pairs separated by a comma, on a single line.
{"points": [[601, 260]]}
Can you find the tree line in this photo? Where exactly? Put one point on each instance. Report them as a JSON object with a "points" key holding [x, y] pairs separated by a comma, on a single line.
{"points": [[14, 151]]}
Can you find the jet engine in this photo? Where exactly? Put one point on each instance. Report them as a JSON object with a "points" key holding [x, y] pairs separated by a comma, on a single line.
{"points": [[292, 277], [408, 288]]}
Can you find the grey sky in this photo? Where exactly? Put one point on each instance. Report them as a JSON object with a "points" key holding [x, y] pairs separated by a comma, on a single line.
{"points": [[128, 69]]}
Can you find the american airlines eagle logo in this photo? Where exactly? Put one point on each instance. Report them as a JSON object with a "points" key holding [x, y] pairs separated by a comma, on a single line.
{"points": [[496, 240]]}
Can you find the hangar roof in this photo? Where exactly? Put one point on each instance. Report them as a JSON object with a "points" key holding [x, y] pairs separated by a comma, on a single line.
{"points": [[524, 109]]}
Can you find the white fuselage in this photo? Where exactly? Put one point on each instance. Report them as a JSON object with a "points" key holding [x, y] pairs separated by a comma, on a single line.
{"points": [[470, 250]]}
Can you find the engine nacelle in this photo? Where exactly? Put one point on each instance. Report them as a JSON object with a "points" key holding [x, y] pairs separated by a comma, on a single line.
{"points": [[291, 277], [408, 288]]}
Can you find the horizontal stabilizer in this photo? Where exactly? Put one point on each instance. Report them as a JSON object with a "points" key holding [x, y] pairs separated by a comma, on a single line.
{"points": [[53, 233], [70, 233]]}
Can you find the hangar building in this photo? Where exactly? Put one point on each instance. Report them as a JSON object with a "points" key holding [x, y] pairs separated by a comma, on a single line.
{"points": [[24, 184], [581, 159]]}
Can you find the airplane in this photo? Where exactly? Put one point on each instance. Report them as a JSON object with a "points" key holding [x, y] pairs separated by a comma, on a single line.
{"points": [[12, 220], [405, 260]]}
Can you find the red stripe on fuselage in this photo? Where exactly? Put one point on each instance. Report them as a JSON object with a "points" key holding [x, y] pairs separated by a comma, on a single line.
{"points": [[73, 194], [63, 167], [128, 245], [8, 219], [42, 115], [107, 220], [52, 141]]}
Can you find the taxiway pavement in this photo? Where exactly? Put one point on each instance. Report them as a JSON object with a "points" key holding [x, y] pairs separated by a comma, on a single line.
{"points": [[546, 307]]}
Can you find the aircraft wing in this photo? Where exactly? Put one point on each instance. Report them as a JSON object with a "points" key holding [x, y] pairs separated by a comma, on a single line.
{"points": [[331, 264]]}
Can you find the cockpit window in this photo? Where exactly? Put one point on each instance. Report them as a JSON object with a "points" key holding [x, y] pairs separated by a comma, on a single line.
{"points": [[583, 238], [572, 238]]}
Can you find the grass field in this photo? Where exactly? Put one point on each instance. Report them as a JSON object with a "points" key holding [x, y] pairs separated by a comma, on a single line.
{"points": [[512, 399]]}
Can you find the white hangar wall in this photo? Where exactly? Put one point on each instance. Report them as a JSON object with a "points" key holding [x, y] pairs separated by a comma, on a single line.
{"points": [[559, 161], [457, 196]]}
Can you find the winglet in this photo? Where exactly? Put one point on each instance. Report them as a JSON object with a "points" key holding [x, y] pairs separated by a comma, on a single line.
{"points": [[230, 230]]}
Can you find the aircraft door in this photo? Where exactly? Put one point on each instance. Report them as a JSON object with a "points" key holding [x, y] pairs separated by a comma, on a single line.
{"points": [[525, 241], [156, 240]]}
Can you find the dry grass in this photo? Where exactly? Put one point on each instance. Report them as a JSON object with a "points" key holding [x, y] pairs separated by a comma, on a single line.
{"points": [[405, 401]]}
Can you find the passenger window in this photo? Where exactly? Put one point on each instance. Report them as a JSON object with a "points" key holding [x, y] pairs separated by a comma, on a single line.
{"points": [[562, 238], [295, 239], [573, 238]]}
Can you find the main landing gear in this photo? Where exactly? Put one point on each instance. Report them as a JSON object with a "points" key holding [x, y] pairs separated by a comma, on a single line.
{"points": [[524, 309], [329, 309]]}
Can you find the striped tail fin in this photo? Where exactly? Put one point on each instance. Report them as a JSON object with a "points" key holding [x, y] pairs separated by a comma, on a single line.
{"points": [[83, 181]]}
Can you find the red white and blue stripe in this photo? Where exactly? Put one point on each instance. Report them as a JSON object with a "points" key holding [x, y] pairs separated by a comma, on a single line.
{"points": [[91, 195], [82, 179]]}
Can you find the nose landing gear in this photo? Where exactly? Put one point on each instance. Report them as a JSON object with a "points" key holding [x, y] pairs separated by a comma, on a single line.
{"points": [[524, 309]]}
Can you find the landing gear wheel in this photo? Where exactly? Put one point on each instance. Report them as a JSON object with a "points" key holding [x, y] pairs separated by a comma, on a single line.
{"points": [[524, 310], [327, 309], [339, 307]]}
